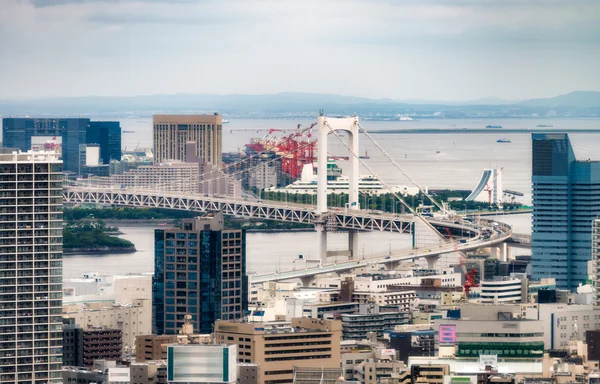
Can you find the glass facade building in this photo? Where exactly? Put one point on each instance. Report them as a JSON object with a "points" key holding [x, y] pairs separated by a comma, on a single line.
{"points": [[30, 268], [566, 199], [107, 134], [199, 270], [18, 133]]}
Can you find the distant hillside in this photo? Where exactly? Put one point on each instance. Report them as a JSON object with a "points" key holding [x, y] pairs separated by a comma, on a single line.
{"points": [[577, 99], [300, 104]]}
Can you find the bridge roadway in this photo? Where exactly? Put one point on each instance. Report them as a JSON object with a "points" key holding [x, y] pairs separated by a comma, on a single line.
{"points": [[335, 219]]}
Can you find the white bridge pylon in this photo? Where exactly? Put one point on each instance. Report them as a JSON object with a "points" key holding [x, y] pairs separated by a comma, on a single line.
{"points": [[326, 126]]}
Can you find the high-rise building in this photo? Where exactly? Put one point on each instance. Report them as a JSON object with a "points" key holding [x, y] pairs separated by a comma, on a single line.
{"points": [[107, 134], [172, 132], [28, 133], [566, 198], [199, 270], [30, 267]]}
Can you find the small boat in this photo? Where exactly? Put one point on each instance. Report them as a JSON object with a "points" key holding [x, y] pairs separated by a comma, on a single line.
{"points": [[225, 121], [128, 131], [503, 141], [545, 126], [493, 126], [438, 151]]}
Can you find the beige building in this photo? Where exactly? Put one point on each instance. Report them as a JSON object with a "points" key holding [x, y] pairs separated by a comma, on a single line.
{"points": [[277, 348], [172, 132], [153, 347], [171, 176], [132, 319]]}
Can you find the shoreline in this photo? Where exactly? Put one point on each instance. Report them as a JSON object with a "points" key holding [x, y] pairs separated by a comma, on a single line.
{"points": [[98, 251]]}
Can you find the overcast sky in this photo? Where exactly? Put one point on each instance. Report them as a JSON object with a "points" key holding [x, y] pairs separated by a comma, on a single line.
{"points": [[400, 49]]}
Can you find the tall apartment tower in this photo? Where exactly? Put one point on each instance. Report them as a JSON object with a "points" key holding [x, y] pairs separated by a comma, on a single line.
{"points": [[566, 199], [30, 267], [199, 270], [595, 267], [172, 132]]}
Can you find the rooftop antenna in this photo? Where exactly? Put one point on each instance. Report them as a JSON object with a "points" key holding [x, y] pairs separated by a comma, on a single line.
{"points": [[321, 113]]}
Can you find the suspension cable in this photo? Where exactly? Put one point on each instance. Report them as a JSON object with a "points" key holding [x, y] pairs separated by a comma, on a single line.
{"points": [[391, 159]]}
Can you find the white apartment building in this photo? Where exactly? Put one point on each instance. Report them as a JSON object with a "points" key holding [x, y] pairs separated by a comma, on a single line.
{"points": [[504, 290], [30, 267]]}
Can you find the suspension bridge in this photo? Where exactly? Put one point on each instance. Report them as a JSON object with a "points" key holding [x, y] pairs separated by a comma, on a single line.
{"points": [[352, 219]]}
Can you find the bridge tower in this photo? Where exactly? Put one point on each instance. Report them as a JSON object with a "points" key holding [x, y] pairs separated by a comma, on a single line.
{"points": [[326, 126]]}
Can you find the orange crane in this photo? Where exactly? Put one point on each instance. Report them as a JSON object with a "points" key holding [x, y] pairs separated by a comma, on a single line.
{"points": [[471, 275]]}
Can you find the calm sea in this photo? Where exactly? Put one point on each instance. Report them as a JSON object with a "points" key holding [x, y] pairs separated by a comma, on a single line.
{"points": [[452, 161]]}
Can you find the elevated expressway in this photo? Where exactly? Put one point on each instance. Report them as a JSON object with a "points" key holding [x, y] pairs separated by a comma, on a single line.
{"points": [[334, 220]]}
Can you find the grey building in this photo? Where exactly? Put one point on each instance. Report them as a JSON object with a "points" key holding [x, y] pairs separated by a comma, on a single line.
{"points": [[199, 270], [30, 268]]}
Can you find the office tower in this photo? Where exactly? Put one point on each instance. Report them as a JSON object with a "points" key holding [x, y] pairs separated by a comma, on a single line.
{"points": [[107, 134], [199, 270], [172, 132], [566, 198], [278, 348], [595, 267], [30, 267], [61, 134]]}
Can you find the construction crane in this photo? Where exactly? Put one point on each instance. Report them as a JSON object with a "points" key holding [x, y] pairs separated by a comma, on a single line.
{"points": [[471, 275], [489, 187]]}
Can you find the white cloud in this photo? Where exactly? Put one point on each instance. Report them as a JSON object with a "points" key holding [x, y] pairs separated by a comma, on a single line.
{"points": [[375, 48]]}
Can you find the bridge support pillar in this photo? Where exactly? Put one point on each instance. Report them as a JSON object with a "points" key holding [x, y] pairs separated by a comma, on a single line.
{"points": [[321, 243], [307, 280], [432, 261], [392, 265], [503, 252], [353, 244]]}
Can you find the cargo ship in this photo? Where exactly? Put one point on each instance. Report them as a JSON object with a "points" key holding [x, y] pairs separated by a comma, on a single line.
{"points": [[493, 126], [503, 141], [545, 126]]}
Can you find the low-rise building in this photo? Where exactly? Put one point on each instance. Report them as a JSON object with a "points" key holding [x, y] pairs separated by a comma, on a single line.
{"points": [[504, 290], [132, 319], [279, 347], [372, 318]]}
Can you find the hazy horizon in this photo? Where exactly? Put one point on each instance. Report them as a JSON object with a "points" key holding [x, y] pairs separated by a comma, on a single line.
{"points": [[402, 50]]}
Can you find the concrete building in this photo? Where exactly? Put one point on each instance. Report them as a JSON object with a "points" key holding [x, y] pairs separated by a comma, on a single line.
{"points": [[429, 374], [30, 266], [504, 290], [168, 176], [172, 132], [304, 375], [565, 203], [378, 370], [153, 347], [199, 270], [83, 346], [264, 175], [278, 348], [372, 318], [507, 338], [132, 319], [248, 373], [151, 372]]}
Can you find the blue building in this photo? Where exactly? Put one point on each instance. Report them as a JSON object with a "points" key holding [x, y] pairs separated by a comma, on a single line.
{"points": [[107, 134], [70, 133], [199, 270], [18, 133], [566, 198]]}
